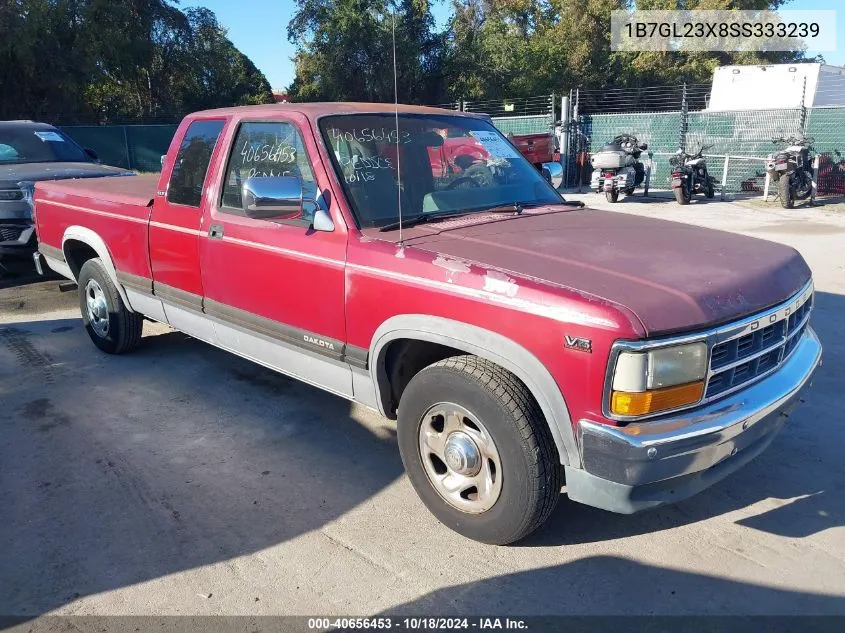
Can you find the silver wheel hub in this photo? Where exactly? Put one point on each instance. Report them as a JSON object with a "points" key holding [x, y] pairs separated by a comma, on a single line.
{"points": [[460, 458], [97, 307], [461, 454]]}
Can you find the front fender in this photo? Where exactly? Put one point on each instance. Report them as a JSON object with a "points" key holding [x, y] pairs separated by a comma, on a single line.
{"points": [[485, 344]]}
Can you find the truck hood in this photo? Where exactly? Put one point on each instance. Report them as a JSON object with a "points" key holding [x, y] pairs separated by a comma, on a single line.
{"points": [[11, 175], [673, 276]]}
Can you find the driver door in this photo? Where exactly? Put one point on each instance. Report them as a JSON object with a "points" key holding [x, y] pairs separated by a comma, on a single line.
{"points": [[275, 287]]}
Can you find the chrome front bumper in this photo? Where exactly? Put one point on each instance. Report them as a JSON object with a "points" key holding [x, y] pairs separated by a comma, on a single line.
{"points": [[640, 466]]}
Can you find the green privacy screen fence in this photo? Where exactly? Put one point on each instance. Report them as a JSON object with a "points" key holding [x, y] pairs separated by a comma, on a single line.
{"points": [[744, 135], [137, 147]]}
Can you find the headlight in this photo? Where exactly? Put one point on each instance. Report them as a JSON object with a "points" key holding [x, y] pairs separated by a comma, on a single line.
{"points": [[658, 380]]}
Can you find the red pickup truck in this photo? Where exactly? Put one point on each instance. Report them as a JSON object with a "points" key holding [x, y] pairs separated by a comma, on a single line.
{"points": [[521, 343]]}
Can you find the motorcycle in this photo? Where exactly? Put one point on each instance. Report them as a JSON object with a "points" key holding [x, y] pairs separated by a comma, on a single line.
{"points": [[792, 170], [617, 167], [690, 176]]}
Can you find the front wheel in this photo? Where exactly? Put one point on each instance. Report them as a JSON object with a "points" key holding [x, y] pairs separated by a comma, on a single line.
{"points": [[477, 450], [710, 190], [111, 326], [785, 192], [612, 195]]}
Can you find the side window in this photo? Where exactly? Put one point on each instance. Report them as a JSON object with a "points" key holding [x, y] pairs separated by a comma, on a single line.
{"points": [[266, 149], [188, 176]]}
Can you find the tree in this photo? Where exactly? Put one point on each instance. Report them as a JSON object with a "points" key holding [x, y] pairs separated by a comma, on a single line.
{"points": [[106, 60], [345, 51]]}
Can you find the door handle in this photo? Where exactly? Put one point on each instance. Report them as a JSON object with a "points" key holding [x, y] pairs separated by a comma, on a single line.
{"points": [[215, 231]]}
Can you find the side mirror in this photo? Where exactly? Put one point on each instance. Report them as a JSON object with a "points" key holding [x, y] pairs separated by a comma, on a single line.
{"points": [[272, 197], [553, 173], [90, 153], [163, 158], [644, 146], [322, 221]]}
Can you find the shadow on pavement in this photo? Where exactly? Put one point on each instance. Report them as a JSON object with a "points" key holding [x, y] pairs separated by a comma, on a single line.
{"points": [[610, 585], [117, 470], [121, 469]]}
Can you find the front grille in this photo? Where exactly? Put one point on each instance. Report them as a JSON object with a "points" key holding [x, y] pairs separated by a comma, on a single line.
{"points": [[11, 232], [758, 347]]}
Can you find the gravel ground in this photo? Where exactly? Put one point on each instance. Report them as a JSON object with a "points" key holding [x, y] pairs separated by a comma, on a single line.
{"points": [[183, 480]]}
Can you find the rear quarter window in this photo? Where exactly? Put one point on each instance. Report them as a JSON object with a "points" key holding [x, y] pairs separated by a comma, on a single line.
{"points": [[191, 166]]}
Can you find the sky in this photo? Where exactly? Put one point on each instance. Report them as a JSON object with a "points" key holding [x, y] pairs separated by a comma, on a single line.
{"points": [[259, 29]]}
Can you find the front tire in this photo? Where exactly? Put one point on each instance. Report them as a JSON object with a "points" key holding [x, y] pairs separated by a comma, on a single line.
{"points": [[785, 192], [477, 450], [710, 191], [111, 326], [612, 195]]}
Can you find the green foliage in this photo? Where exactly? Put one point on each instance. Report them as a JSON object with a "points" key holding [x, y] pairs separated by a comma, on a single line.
{"points": [[491, 49], [107, 60]]}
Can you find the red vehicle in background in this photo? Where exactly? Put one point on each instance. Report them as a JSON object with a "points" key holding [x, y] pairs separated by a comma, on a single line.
{"points": [[459, 153], [517, 340]]}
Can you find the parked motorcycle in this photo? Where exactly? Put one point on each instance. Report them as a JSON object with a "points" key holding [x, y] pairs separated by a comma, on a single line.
{"points": [[617, 167], [792, 169], [690, 175]]}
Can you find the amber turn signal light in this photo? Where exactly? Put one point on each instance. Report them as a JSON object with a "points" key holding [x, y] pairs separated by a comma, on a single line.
{"points": [[645, 402]]}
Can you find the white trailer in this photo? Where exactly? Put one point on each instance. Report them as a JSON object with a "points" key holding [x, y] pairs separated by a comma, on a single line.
{"points": [[777, 86]]}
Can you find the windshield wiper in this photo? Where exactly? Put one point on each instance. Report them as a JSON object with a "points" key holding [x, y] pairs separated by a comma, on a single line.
{"points": [[514, 207]]}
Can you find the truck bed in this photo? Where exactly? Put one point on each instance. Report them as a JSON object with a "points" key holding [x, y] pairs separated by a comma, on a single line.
{"points": [[116, 209], [129, 190]]}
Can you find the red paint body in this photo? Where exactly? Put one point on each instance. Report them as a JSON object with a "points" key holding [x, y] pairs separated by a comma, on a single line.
{"points": [[534, 278]]}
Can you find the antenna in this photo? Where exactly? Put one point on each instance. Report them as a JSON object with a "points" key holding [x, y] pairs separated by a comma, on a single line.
{"points": [[396, 114]]}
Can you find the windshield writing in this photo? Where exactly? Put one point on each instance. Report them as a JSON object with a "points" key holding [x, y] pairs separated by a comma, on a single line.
{"points": [[448, 164]]}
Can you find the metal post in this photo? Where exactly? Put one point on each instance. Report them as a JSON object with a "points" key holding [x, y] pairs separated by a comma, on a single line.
{"points": [[815, 188], [725, 175], [126, 144], [563, 138], [578, 137], [766, 184], [682, 141]]}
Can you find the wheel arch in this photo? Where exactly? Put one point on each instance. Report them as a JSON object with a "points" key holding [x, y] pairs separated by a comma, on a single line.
{"points": [[486, 344], [81, 235]]}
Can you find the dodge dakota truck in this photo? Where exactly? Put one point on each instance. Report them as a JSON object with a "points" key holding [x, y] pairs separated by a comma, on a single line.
{"points": [[522, 344]]}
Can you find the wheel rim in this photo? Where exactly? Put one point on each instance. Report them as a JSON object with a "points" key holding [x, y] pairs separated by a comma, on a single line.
{"points": [[460, 458], [98, 309]]}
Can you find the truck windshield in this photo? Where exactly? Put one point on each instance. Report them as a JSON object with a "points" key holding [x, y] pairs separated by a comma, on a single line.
{"points": [[25, 144], [448, 164]]}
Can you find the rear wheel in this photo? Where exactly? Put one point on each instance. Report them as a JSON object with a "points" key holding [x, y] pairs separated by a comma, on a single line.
{"points": [[612, 195], [111, 326], [682, 195], [710, 190], [785, 192], [477, 450]]}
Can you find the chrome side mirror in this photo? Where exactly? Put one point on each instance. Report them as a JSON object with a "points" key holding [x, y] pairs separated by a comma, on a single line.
{"points": [[553, 173], [163, 158], [272, 197]]}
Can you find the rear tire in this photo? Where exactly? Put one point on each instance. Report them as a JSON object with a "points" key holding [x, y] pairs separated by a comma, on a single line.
{"points": [[519, 474], [612, 195], [785, 192], [710, 191], [682, 195], [111, 326]]}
